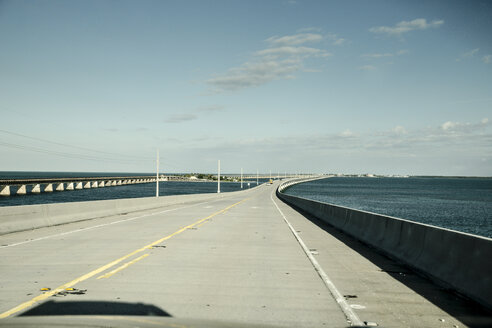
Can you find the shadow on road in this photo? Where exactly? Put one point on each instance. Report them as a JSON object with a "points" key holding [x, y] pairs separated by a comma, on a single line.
{"points": [[467, 311], [95, 308]]}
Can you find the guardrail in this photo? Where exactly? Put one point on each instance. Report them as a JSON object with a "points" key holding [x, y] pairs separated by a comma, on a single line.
{"points": [[453, 259]]}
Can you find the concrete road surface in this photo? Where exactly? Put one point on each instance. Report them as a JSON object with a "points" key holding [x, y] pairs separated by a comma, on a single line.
{"points": [[233, 259]]}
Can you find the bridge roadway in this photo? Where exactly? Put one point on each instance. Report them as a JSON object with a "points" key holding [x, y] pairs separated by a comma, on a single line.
{"points": [[233, 258]]}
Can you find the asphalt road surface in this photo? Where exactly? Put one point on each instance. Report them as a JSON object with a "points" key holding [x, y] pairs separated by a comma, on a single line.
{"points": [[245, 257]]}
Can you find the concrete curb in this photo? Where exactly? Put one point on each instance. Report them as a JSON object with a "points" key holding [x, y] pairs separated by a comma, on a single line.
{"points": [[28, 217], [454, 259]]}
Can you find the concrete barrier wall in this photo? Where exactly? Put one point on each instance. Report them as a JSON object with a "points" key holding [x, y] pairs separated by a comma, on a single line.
{"points": [[27, 217], [453, 259], [295, 181]]}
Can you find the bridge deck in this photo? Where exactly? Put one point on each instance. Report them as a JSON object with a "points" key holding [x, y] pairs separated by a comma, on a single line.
{"points": [[232, 259]]}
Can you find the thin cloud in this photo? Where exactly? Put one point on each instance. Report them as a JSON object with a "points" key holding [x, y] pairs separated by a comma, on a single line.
{"points": [[392, 147], [468, 54], [339, 41], [486, 59], [406, 26], [180, 118], [312, 70], [384, 55], [399, 130], [291, 51], [309, 29], [377, 55], [296, 39], [367, 68], [253, 74], [347, 134], [458, 127], [215, 108], [448, 125], [194, 114], [421, 141], [336, 40], [281, 60]]}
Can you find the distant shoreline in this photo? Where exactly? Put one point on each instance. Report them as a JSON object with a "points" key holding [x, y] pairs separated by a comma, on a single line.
{"points": [[264, 175]]}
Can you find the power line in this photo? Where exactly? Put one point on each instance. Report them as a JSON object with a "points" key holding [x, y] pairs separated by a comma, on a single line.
{"points": [[69, 155], [69, 146], [131, 159]]}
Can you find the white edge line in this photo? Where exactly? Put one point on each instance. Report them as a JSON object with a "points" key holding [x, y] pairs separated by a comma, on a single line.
{"points": [[102, 225], [346, 309]]}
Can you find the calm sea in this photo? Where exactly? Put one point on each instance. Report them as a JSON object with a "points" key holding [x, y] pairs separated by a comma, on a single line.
{"points": [[125, 191], [463, 204]]}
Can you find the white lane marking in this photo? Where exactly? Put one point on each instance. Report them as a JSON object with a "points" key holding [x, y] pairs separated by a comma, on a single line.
{"points": [[346, 309], [101, 225]]}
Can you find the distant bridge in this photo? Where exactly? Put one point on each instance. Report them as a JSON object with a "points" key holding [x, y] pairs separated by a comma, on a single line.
{"points": [[37, 186], [9, 187]]}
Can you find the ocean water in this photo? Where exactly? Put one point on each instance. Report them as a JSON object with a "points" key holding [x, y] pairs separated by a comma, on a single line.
{"points": [[124, 191], [462, 204]]}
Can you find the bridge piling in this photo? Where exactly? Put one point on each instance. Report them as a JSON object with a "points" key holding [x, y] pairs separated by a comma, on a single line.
{"points": [[36, 189], [9, 187], [21, 190], [5, 191]]}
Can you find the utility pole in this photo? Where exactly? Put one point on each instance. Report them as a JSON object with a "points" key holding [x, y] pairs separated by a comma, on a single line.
{"points": [[241, 178], [218, 177], [157, 176]]}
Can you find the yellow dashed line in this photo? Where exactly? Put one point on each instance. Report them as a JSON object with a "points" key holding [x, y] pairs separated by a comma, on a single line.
{"points": [[127, 264], [50, 293]]}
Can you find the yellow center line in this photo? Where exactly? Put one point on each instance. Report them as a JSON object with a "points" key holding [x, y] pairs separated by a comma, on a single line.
{"points": [[127, 264], [72, 283], [198, 226]]}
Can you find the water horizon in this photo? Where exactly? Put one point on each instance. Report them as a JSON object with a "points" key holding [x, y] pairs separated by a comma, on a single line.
{"points": [[461, 204], [166, 188]]}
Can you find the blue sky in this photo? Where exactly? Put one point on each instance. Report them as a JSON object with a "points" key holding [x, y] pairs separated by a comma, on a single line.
{"points": [[380, 87]]}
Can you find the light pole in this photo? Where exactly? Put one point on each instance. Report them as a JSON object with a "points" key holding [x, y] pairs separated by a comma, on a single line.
{"points": [[157, 176], [218, 177]]}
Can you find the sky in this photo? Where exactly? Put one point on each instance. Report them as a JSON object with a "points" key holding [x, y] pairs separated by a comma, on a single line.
{"points": [[382, 87]]}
